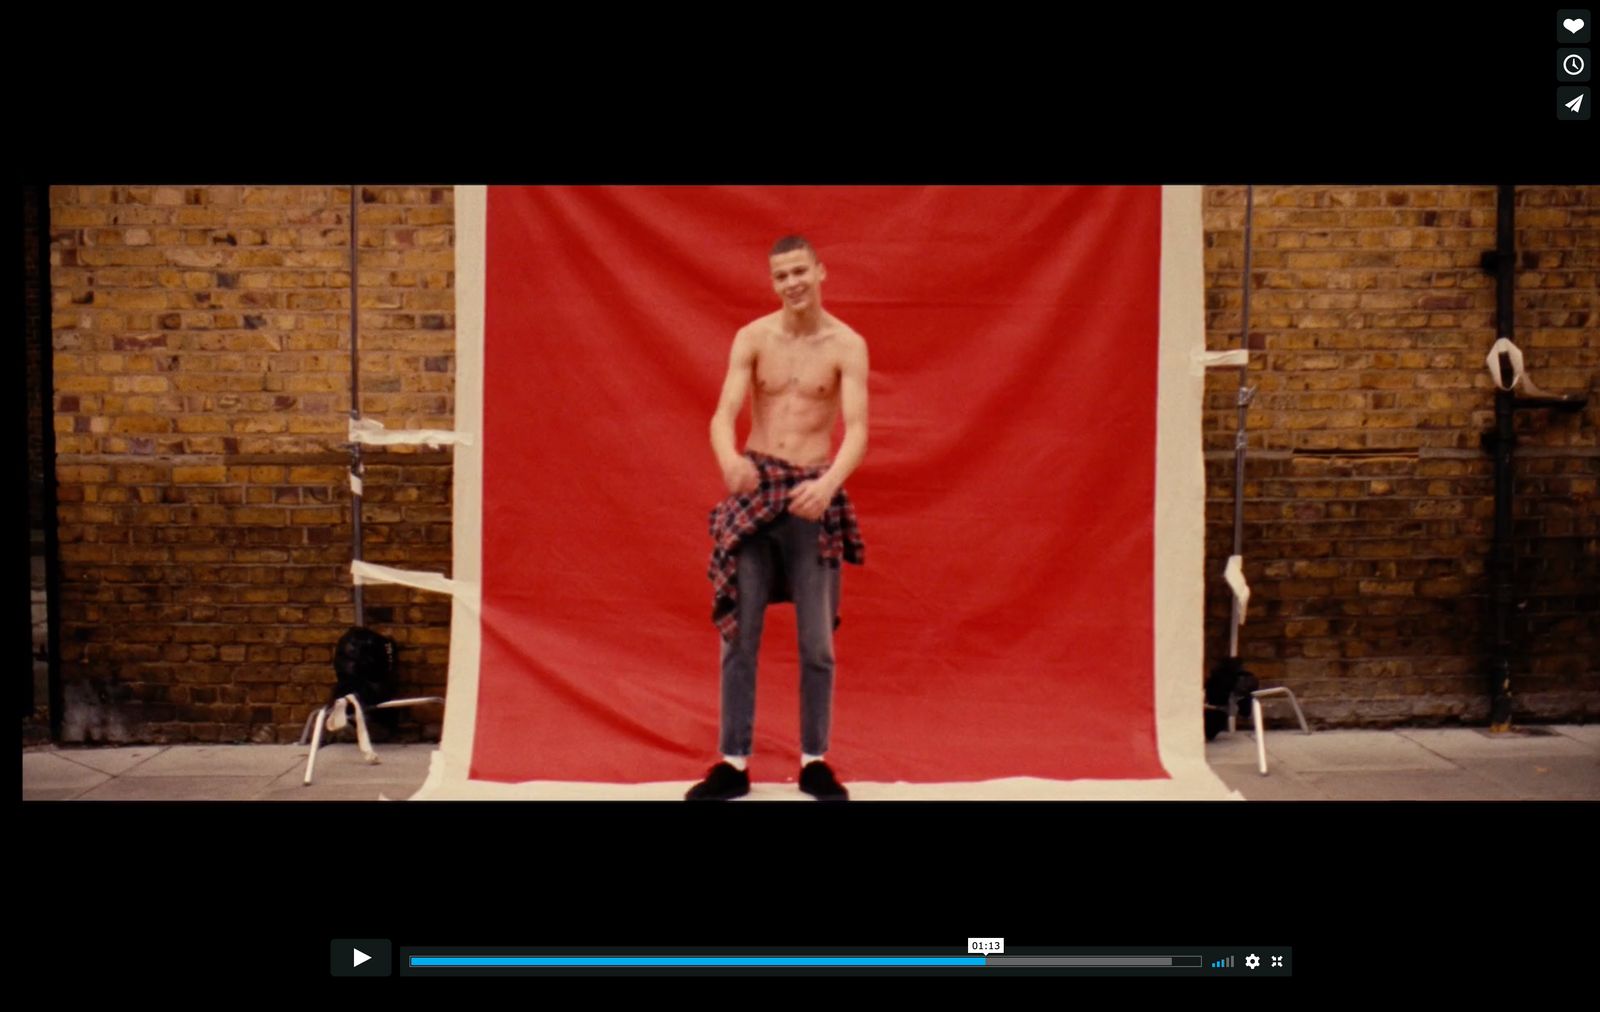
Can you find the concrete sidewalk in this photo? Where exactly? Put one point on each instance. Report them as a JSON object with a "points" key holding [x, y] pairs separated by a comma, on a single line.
{"points": [[1555, 763], [1547, 763]]}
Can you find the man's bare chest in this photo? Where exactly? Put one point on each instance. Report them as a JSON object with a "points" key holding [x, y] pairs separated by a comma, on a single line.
{"points": [[806, 370]]}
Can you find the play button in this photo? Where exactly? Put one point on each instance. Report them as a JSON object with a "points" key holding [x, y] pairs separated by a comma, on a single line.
{"points": [[360, 957]]}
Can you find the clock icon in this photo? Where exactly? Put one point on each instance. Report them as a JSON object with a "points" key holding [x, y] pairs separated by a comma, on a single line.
{"points": [[1572, 65]]}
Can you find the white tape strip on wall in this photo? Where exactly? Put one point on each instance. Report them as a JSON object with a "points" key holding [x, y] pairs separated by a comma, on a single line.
{"points": [[372, 432], [366, 572], [1203, 360], [1234, 575], [1493, 361]]}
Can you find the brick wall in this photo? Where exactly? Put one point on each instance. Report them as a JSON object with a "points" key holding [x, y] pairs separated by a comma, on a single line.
{"points": [[1368, 500], [201, 340]]}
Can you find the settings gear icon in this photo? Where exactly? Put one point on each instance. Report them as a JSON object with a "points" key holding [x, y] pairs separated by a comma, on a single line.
{"points": [[1252, 961]]}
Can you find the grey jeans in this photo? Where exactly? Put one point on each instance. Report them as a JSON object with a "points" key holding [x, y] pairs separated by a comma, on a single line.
{"points": [[784, 551]]}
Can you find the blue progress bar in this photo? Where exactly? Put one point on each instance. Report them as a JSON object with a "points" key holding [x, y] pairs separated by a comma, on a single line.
{"points": [[417, 961]]}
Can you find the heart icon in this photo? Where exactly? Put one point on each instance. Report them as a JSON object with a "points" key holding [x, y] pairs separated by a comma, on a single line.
{"points": [[1573, 25]]}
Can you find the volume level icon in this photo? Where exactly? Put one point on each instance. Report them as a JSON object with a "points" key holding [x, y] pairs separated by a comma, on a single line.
{"points": [[1223, 964]]}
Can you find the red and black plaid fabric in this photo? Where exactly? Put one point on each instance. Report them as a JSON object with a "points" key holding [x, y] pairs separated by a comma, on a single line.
{"points": [[739, 516]]}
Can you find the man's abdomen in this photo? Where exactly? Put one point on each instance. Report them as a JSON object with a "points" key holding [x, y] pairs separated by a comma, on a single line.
{"points": [[798, 433]]}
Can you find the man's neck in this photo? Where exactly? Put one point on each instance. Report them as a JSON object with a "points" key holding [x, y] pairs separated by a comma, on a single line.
{"points": [[803, 323]]}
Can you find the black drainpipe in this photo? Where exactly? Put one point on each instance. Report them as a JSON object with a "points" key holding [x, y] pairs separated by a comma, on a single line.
{"points": [[357, 471], [1502, 262]]}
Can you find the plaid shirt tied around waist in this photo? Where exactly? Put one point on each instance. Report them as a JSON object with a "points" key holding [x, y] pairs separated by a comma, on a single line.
{"points": [[741, 515]]}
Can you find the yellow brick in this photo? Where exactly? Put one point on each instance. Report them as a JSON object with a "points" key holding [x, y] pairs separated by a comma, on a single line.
{"points": [[254, 218], [303, 425], [259, 258], [240, 363], [83, 384], [140, 384], [260, 425], [435, 342], [318, 515], [428, 259], [1387, 420], [370, 214], [315, 384], [317, 258], [259, 515], [185, 257], [316, 475], [202, 383], [202, 423], [142, 216], [83, 474], [78, 217], [136, 300], [200, 217], [196, 475], [434, 382], [424, 299], [252, 341], [141, 423], [258, 196]]}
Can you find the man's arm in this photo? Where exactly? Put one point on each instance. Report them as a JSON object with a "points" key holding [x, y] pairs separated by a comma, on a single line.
{"points": [[737, 471], [811, 499]]}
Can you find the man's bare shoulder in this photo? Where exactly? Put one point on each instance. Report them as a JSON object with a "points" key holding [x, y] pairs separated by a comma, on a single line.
{"points": [[760, 327], [848, 336], [763, 324]]}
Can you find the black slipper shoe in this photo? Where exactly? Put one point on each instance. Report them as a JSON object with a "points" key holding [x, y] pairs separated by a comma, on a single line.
{"points": [[722, 783], [817, 780]]}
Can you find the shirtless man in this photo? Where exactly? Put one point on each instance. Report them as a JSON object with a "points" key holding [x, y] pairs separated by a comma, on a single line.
{"points": [[786, 524]]}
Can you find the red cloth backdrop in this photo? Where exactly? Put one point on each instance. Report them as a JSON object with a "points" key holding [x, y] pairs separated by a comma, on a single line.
{"points": [[1002, 625]]}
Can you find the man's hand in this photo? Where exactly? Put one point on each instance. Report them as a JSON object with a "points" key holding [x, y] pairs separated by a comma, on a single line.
{"points": [[809, 499], [740, 475]]}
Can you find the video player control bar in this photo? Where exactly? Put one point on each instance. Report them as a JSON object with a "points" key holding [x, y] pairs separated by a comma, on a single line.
{"points": [[1107, 962]]}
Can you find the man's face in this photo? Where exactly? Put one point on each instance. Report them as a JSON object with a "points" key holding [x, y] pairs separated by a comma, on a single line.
{"points": [[797, 278]]}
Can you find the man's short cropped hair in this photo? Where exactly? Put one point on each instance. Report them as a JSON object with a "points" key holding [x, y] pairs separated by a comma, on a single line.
{"points": [[790, 243]]}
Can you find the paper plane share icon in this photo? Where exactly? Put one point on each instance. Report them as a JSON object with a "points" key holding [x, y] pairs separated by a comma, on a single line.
{"points": [[1576, 104]]}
